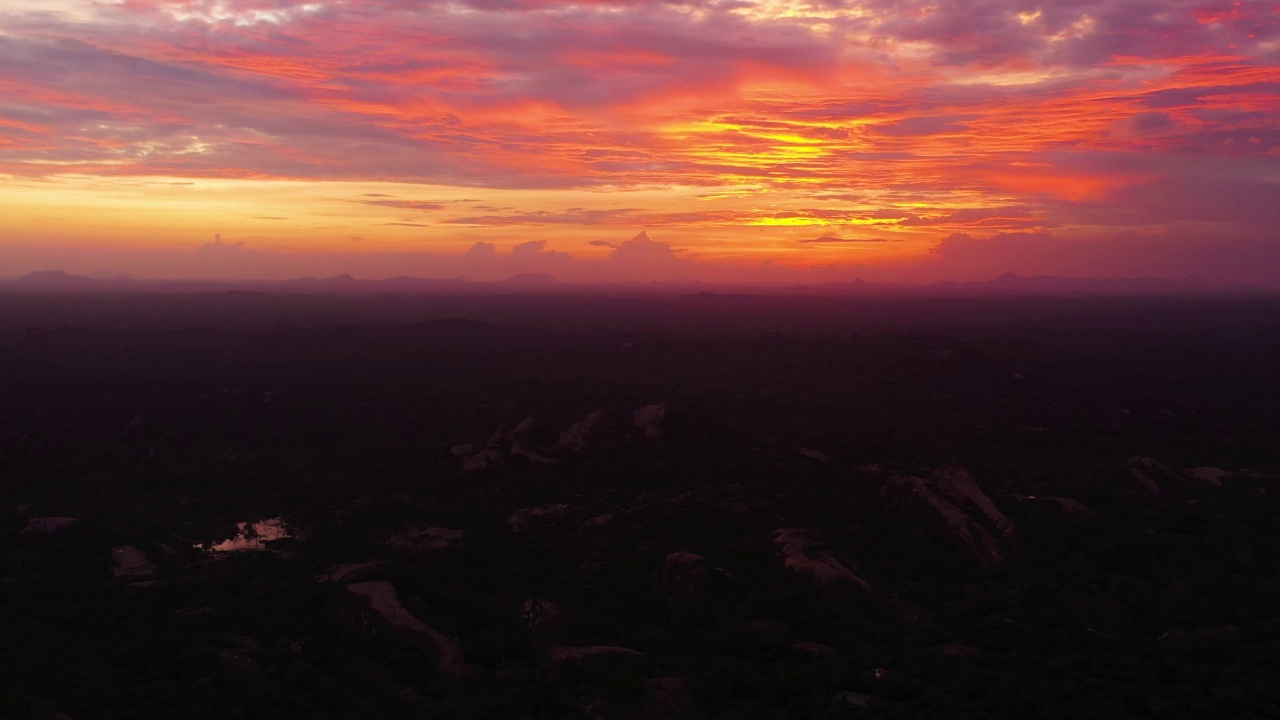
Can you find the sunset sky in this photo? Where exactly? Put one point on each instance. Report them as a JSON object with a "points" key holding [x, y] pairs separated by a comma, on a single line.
{"points": [[750, 140]]}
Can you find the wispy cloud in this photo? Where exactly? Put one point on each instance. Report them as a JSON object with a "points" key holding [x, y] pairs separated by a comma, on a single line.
{"points": [[898, 120]]}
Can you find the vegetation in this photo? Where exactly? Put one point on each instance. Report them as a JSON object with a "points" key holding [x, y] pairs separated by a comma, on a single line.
{"points": [[1139, 604]]}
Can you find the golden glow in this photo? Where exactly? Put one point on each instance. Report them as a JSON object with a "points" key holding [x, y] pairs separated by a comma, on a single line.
{"points": [[798, 131]]}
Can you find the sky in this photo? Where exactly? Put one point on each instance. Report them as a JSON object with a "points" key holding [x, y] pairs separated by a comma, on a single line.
{"points": [[713, 140]]}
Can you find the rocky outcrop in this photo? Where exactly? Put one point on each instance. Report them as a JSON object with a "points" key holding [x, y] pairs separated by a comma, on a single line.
{"points": [[1154, 477], [816, 649], [684, 580], [1067, 504], [815, 455], [130, 562], [525, 518], [804, 554], [48, 525], [375, 607], [492, 456], [651, 420], [426, 539], [1216, 477], [952, 495], [523, 443], [501, 449], [254, 536], [577, 439]]}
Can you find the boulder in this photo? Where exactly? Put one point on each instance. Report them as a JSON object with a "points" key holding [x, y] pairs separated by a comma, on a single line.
{"points": [[1154, 477], [48, 525], [523, 444], [425, 539], [525, 518], [577, 439], [967, 513], [598, 521], [1216, 477], [492, 456], [803, 554], [376, 607], [651, 420], [815, 455], [1067, 504], [130, 562], [958, 485]]}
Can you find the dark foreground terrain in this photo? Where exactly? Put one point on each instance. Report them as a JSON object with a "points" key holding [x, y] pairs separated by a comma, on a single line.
{"points": [[646, 507]]}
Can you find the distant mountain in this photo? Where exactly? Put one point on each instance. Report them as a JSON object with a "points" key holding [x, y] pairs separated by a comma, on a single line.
{"points": [[1009, 284], [532, 279], [53, 277], [1013, 283]]}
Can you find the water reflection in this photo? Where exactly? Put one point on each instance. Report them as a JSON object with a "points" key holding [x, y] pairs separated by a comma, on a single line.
{"points": [[252, 536]]}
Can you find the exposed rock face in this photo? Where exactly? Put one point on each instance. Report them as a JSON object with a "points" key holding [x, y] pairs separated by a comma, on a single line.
{"points": [[130, 562], [816, 649], [815, 455], [1154, 477], [651, 420], [48, 525], [1067, 504], [598, 521], [577, 439], [426, 539], [523, 519], [377, 608], [500, 449], [490, 457], [960, 651], [1217, 477], [684, 579], [965, 510], [353, 572], [253, 536], [803, 554], [522, 443], [570, 653]]}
